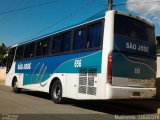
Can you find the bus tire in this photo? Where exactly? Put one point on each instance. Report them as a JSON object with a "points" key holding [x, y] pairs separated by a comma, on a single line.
{"points": [[56, 92], [15, 86]]}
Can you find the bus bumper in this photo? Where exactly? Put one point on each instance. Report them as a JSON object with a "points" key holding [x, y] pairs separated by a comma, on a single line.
{"points": [[116, 92]]}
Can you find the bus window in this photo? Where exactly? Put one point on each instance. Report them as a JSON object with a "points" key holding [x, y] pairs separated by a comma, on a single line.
{"points": [[134, 37], [39, 48], [95, 35], [32, 49], [27, 51], [79, 39], [46, 46], [133, 29], [19, 52], [42, 47], [56, 44], [66, 42]]}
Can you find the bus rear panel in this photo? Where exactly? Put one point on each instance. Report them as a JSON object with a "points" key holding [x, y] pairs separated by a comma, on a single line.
{"points": [[132, 61]]}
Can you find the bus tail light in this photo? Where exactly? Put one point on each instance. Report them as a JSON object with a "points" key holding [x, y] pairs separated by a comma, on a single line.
{"points": [[109, 70]]}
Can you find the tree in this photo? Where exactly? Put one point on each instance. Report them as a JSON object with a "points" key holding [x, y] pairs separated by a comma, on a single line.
{"points": [[3, 51]]}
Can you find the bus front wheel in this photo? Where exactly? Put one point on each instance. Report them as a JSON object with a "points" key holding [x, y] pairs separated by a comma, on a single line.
{"points": [[15, 86], [56, 92]]}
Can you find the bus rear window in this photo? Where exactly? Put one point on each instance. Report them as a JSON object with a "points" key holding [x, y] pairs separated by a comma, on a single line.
{"points": [[133, 29]]}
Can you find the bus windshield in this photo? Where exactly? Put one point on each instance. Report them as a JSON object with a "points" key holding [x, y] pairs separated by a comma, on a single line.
{"points": [[133, 29]]}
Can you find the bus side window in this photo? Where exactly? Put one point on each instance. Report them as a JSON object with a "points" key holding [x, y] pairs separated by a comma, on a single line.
{"points": [[66, 42], [94, 35], [43, 47], [46, 46], [39, 48], [56, 44], [27, 51], [79, 39], [19, 52], [32, 49]]}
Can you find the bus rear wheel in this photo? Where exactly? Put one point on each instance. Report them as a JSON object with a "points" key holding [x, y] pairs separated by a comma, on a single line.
{"points": [[15, 86], [56, 92]]}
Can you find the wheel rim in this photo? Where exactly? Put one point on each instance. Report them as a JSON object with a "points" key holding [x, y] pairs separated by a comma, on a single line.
{"points": [[57, 92]]}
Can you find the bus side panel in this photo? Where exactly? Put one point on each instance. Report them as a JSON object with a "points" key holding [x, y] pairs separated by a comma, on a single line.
{"points": [[71, 85], [82, 75], [38, 73], [45, 85]]}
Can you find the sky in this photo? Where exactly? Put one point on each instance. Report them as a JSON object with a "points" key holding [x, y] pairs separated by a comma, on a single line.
{"points": [[24, 20]]}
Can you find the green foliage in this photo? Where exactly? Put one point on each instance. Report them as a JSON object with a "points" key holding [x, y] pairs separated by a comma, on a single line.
{"points": [[3, 50]]}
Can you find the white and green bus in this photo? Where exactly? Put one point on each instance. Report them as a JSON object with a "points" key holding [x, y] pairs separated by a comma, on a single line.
{"points": [[111, 57]]}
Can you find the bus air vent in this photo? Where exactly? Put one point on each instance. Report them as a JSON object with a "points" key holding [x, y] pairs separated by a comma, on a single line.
{"points": [[82, 89], [91, 91], [87, 81]]}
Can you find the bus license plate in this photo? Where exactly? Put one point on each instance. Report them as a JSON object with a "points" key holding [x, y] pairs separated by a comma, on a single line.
{"points": [[136, 93]]}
